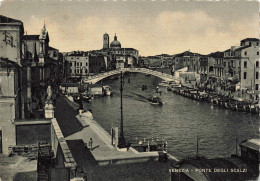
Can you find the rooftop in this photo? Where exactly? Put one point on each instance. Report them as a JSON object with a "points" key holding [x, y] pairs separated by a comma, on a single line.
{"points": [[51, 48], [4, 19], [241, 48], [187, 53], [17, 168], [30, 37], [250, 39], [217, 54], [237, 48], [253, 144]]}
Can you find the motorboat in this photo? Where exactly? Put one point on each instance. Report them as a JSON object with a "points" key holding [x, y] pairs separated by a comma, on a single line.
{"points": [[144, 87], [107, 90], [155, 100]]}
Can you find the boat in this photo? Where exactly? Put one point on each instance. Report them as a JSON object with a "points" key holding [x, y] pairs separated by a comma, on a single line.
{"points": [[149, 145], [155, 100], [107, 90], [254, 108], [173, 86], [76, 98], [158, 90], [87, 98], [144, 87], [165, 83]]}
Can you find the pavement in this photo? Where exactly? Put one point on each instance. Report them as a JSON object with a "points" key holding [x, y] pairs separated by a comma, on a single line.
{"points": [[102, 149], [66, 117], [17, 168]]}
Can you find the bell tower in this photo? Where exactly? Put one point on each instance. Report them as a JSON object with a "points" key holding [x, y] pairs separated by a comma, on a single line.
{"points": [[105, 41]]}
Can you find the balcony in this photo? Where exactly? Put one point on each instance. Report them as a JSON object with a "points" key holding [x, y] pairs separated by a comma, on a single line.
{"points": [[218, 65]]}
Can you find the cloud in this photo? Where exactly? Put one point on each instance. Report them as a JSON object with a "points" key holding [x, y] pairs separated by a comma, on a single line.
{"points": [[167, 32]]}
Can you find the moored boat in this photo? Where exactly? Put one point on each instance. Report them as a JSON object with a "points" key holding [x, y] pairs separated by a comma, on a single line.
{"points": [[107, 90]]}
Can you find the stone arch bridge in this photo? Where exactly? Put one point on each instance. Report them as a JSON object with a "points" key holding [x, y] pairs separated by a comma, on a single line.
{"points": [[95, 78]]}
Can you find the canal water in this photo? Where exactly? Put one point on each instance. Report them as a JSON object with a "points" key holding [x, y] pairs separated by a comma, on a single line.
{"points": [[179, 121]]}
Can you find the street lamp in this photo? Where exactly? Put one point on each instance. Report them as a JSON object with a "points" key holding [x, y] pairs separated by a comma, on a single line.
{"points": [[121, 139]]}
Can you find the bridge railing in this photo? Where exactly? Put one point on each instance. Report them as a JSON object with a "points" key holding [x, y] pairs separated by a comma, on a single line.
{"points": [[102, 74], [143, 70]]}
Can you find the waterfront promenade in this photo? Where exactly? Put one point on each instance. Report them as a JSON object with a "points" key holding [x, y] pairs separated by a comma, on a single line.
{"points": [[103, 160]]}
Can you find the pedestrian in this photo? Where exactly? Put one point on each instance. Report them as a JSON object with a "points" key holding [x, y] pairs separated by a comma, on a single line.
{"points": [[81, 108], [90, 143]]}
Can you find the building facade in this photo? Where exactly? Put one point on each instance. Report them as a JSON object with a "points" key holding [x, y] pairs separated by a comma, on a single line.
{"points": [[98, 63], [78, 64], [250, 68], [241, 66], [40, 70], [187, 59], [11, 32]]}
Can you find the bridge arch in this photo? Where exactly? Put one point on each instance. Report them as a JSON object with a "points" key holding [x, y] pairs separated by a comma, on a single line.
{"points": [[96, 78]]}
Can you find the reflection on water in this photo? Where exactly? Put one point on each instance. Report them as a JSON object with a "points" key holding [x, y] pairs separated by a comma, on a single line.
{"points": [[178, 121]]}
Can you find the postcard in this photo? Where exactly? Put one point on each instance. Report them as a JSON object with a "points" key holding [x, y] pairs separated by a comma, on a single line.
{"points": [[129, 90]]}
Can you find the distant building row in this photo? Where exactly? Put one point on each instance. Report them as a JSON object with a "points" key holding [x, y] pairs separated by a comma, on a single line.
{"points": [[111, 57], [237, 66]]}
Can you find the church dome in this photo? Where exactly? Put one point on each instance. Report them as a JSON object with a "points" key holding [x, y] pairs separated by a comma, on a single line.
{"points": [[115, 43]]}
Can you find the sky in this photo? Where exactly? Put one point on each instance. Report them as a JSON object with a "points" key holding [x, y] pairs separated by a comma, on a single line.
{"points": [[150, 26]]}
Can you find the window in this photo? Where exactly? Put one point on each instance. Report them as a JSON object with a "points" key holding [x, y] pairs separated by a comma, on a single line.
{"points": [[70, 63], [256, 86], [77, 57], [86, 63], [257, 53], [80, 63], [245, 75], [245, 53], [245, 64], [86, 70], [257, 64], [256, 75], [71, 57]]}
